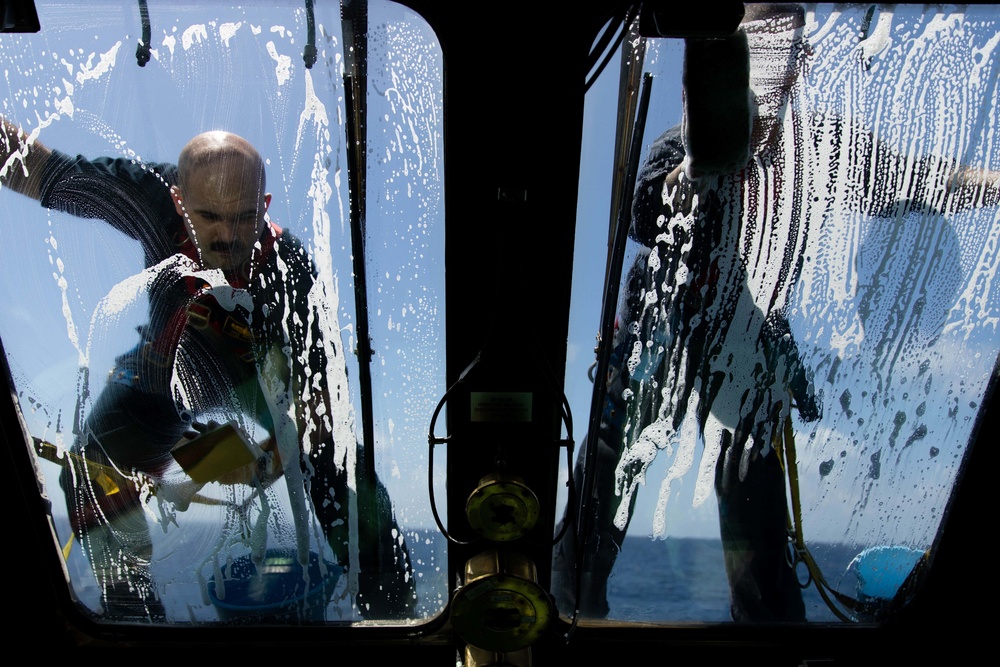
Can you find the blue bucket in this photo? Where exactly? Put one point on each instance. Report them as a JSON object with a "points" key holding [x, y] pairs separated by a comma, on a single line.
{"points": [[881, 571], [282, 592]]}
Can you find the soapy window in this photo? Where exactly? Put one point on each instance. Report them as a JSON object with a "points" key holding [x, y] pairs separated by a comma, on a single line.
{"points": [[806, 321], [129, 330]]}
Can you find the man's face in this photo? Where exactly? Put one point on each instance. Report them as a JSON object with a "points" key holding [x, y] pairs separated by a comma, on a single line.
{"points": [[224, 214]]}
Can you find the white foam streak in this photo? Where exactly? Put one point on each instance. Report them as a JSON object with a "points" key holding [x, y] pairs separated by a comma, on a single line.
{"points": [[193, 35], [314, 131], [107, 62]]}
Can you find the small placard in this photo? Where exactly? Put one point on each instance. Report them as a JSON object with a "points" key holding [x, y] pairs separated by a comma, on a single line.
{"points": [[501, 406]]}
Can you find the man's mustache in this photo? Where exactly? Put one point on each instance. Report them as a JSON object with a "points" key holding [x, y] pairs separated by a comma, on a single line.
{"points": [[233, 247]]}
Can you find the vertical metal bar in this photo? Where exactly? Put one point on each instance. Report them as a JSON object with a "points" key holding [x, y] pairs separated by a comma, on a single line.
{"points": [[354, 17], [612, 286], [632, 60]]}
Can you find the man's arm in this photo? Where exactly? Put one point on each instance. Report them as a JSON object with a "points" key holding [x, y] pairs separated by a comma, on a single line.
{"points": [[21, 160], [893, 183], [131, 196]]}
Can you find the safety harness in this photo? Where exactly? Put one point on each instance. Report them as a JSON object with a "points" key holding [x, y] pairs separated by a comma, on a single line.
{"points": [[202, 311]]}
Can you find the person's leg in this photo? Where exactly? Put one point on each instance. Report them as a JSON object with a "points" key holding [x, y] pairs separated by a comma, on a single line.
{"points": [[753, 525], [109, 523], [126, 431]]}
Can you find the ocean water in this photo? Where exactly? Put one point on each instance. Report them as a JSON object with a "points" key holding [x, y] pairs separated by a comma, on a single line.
{"points": [[677, 580], [684, 580]]}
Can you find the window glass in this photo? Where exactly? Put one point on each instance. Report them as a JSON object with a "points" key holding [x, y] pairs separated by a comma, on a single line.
{"points": [[406, 270], [129, 329], [807, 312]]}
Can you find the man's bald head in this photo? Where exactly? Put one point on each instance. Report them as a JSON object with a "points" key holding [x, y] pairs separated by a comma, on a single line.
{"points": [[220, 152], [220, 195]]}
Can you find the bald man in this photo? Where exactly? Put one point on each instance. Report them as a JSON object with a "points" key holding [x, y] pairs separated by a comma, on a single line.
{"points": [[223, 209], [203, 229]]}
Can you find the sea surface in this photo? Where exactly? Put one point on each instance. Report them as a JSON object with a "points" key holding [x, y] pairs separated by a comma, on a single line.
{"points": [[684, 580], [677, 580]]}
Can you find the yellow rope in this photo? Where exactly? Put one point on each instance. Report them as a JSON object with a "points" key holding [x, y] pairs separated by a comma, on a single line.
{"points": [[785, 447]]}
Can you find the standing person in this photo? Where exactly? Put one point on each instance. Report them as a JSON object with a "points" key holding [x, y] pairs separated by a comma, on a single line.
{"points": [[691, 341], [231, 328]]}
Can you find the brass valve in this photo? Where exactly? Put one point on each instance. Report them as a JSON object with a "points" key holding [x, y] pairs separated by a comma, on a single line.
{"points": [[502, 508]]}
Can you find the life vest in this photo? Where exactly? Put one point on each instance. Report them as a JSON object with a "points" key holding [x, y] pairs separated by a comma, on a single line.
{"points": [[201, 311]]}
